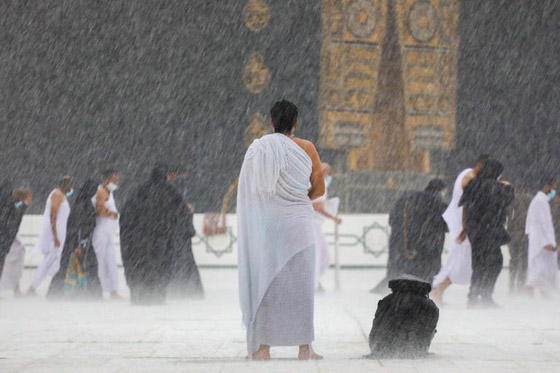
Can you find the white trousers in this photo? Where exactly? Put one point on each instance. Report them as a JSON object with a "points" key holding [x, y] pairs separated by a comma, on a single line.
{"points": [[49, 266], [13, 266], [105, 251]]}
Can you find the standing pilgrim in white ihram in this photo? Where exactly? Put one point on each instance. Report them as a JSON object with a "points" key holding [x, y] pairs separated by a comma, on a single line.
{"points": [[543, 254], [52, 237], [324, 208], [276, 242], [458, 266], [103, 239]]}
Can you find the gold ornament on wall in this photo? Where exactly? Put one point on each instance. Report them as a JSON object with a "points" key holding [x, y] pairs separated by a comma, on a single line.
{"points": [[422, 21], [361, 18], [256, 75], [256, 15], [256, 129]]}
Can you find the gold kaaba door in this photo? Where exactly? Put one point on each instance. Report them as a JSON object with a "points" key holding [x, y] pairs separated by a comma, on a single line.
{"points": [[388, 81]]}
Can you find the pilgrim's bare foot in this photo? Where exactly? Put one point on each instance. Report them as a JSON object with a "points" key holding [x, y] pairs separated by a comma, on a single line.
{"points": [[262, 354], [306, 354], [116, 296]]}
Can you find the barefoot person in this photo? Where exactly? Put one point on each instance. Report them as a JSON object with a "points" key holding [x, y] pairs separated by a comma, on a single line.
{"points": [[543, 254], [106, 227], [457, 268], [280, 176], [53, 235]]}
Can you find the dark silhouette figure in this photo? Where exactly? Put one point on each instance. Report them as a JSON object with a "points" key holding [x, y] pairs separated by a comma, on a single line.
{"points": [[405, 321], [148, 223], [486, 200]]}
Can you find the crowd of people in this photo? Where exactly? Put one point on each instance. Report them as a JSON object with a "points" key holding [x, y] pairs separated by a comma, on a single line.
{"points": [[484, 214], [281, 205], [77, 240]]}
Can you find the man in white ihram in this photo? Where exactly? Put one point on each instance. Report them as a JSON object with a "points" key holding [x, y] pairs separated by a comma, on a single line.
{"points": [[103, 239], [543, 252], [279, 178], [458, 266]]}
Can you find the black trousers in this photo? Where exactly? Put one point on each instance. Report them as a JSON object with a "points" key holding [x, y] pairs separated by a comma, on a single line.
{"points": [[487, 263], [518, 248], [3, 255]]}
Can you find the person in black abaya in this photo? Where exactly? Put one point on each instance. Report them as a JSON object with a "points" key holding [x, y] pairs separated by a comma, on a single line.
{"points": [[405, 321], [81, 223], [485, 201], [417, 234], [7, 217], [185, 279], [148, 222]]}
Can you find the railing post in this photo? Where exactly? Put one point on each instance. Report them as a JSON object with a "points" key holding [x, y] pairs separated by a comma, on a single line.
{"points": [[336, 259]]}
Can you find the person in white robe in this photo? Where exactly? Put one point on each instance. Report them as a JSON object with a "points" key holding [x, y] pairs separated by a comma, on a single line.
{"points": [[543, 250], [279, 177], [12, 270], [458, 265], [52, 237], [103, 239], [325, 208]]}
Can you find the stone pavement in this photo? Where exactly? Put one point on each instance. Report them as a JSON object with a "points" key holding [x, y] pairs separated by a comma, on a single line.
{"points": [[207, 335]]}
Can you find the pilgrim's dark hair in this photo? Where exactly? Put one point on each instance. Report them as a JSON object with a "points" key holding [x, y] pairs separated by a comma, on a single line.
{"points": [[284, 115], [435, 186], [66, 181], [483, 158], [177, 169], [108, 173], [547, 181]]}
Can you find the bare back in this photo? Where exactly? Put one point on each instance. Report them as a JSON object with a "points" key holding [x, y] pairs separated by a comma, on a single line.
{"points": [[317, 180]]}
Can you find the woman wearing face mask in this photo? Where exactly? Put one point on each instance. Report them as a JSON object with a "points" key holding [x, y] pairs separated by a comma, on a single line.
{"points": [[53, 235], [104, 234]]}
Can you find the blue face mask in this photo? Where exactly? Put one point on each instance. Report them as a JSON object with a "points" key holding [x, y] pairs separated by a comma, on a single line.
{"points": [[551, 194], [328, 180], [69, 193], [18, 204]]}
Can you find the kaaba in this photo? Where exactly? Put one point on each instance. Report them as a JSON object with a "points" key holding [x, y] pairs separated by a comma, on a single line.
{"points": [[392, 92]]}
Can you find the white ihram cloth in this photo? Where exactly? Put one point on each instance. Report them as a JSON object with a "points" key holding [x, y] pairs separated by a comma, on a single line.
{"points": [[45, 243], [543, 264], [103, 241], [322, 255], [13, 266], [458, 266], [276, 244]]}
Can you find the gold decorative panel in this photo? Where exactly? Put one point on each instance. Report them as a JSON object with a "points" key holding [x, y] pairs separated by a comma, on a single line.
{"points": [[428, 34], [388, 81], [352, 32]]}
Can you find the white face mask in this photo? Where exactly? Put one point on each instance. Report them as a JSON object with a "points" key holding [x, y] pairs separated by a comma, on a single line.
{"points": [[112, 187]]}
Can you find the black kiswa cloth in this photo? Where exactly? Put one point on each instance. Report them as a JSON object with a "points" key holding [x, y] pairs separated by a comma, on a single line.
{"points": [[405, 321]]}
